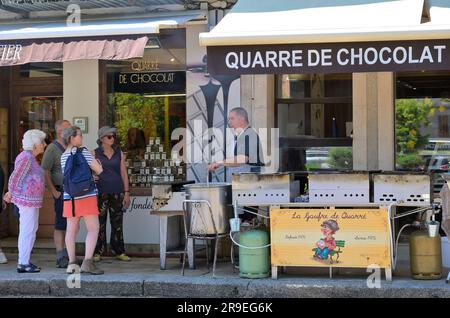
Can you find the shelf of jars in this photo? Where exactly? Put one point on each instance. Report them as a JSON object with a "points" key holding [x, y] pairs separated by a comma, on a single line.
{"points": [[157, 166]]}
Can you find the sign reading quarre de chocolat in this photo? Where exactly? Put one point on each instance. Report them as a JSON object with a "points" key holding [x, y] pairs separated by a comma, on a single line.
{"points": [[330, 58], [150, 82]]}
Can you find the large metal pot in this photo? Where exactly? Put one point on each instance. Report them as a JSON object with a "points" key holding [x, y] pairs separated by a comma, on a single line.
{"points": [[199, 217]]}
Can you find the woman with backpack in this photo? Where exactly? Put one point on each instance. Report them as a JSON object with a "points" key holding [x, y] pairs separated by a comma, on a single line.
{"points": [[114, 195], [79, 204], [26, 190]]}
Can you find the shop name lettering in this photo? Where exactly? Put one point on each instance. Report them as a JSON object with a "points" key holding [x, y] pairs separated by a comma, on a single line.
{"points": [[135, 206], [146, 78], [328, 57], [10, 52], [318, 217], [140, 66]]}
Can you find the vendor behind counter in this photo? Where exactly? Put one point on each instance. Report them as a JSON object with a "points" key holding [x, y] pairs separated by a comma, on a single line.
{"points": [[247, 152]]}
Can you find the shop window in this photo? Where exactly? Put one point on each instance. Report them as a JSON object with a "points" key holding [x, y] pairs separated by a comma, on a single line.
{"points": [[41, 113], [146, 102], [422, 110], [314, 117], [33, 70]]}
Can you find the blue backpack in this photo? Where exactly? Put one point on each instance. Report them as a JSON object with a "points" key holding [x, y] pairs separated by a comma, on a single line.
{"points": [[78, 179]]}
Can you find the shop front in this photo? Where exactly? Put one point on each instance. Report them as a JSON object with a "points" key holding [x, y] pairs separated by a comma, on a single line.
{"points": [[132, 76], [356, 99]]}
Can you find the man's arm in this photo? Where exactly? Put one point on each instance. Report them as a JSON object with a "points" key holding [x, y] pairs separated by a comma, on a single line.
{"points": [[49, 183], [229, 162], [235, 161], [47, 164]]}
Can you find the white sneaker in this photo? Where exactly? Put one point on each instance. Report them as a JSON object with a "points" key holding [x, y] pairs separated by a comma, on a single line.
{"points": [[3, 259]]}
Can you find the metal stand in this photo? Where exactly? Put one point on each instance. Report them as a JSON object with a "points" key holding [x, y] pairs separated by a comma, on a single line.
{"points": [[163, 235], [191, 237]]}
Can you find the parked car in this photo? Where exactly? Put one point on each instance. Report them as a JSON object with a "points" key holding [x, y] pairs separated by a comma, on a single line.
{"points": [[438, 163]]}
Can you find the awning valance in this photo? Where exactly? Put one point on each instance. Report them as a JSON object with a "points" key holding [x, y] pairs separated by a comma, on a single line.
{"points": [[100, 39], [70, 49]]}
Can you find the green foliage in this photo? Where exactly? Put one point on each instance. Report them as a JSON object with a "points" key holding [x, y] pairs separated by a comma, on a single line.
{"points": [[312, 166], [340, 158], [137, 111], [410, 116], [409, 160]]}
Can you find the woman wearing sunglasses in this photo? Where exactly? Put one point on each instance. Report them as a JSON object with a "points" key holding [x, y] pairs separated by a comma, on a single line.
{"points": [[113, 193]]}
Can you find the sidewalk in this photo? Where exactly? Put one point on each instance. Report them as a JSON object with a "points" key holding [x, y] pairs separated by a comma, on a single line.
{"points": [[142, 278]]}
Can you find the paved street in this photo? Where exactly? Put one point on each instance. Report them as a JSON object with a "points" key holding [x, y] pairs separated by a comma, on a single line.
{"points": [[142, 278]]}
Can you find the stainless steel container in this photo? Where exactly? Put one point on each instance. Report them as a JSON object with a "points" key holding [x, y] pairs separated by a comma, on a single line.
{"points": [[219, 196], [412, 189], [257, 188], [339, 187]]}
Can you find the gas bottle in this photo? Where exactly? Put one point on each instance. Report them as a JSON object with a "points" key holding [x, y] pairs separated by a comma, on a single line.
{"points": [[254, 262], [425, 255]]}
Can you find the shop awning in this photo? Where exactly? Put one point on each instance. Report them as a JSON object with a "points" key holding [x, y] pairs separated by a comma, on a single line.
{"points": [[101, 39], [334, 36], [327, 21]]}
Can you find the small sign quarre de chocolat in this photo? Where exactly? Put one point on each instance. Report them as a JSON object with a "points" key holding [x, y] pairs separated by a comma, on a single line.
{"points": [[150, 82], [330, 58]]}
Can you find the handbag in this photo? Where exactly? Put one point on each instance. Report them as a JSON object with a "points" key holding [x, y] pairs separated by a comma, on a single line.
{"points": [[15, 211]]}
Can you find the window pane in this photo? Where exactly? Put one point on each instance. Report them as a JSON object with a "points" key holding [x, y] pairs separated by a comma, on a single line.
{"points": [[316, 158], [297, 86], [315, 135], [422, 111], [146, 102], [41, 70]]}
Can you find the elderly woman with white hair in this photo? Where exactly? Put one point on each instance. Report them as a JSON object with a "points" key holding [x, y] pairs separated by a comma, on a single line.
{"points": [[26, 190]]}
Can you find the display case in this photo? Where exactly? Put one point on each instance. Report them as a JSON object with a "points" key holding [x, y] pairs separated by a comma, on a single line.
{"points": [[156, 166]]}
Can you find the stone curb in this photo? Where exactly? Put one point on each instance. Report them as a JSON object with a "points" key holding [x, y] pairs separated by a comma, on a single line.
{"points": [[193, 287]]}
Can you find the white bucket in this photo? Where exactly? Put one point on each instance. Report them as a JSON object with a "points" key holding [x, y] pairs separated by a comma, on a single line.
{"points": [[433, 228], [445, 252]]}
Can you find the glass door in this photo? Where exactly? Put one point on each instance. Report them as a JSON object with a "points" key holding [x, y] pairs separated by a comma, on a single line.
{"points": [[4, 139], [40, 112]]}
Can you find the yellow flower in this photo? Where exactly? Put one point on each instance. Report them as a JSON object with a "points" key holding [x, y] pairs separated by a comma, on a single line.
{"points": [[442, 108], [413, 132], [411, 144]]}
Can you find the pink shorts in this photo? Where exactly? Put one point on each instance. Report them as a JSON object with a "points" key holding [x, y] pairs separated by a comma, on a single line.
{"points": [[83, 207]]}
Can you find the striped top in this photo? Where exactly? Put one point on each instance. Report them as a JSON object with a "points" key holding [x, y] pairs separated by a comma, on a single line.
{"points": [[89, 158], [26, 183]]}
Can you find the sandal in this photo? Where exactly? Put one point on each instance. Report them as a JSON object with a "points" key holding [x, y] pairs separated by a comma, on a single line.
{"points": [[30, 268]]}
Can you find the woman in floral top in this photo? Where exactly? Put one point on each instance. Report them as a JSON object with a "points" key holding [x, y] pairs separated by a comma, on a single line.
{"points": [[26, 191]]}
